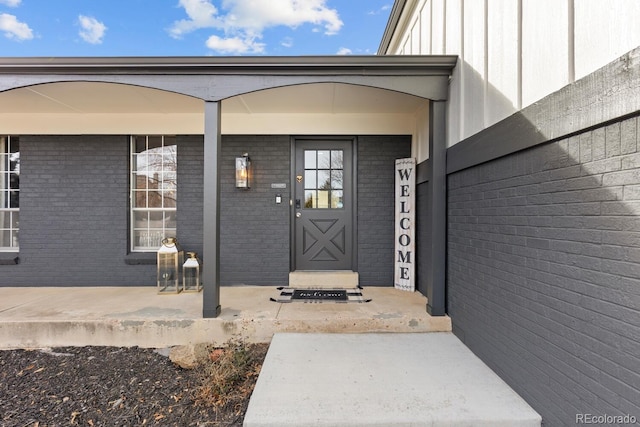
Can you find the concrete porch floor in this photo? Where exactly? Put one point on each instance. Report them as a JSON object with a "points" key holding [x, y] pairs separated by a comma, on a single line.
{"points": [[138, 316]]}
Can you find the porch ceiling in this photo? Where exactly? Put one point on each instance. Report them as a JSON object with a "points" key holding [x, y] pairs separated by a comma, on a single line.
{"points": [[110, 98]]}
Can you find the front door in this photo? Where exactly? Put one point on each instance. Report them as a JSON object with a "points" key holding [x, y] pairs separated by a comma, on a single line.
{"points": [[323, 205]]}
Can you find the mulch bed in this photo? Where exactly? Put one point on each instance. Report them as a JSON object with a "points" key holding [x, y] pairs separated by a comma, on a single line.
{"points": [[105, 386]]}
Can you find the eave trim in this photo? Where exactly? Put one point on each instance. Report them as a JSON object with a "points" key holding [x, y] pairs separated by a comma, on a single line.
{"points": [[305, 65], [392, 24]]}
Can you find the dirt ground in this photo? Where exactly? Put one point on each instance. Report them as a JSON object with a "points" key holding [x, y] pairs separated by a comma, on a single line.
{"points": [[108, 386]]}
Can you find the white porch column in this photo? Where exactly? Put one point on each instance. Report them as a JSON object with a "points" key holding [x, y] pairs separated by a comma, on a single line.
{"points": [[211, 214]]}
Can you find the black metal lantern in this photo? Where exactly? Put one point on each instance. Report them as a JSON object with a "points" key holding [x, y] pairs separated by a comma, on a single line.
{"points": [[170, 261], [191, 273], [243, 171]]}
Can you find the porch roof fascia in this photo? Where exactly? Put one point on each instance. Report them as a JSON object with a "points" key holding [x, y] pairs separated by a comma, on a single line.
{"points": [[369, 65]]}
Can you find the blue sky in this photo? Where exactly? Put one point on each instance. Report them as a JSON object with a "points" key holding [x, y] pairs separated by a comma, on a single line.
{"points": [[191, 27]]}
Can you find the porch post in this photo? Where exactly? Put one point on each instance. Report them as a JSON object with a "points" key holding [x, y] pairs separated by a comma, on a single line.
{"points": [[436, 305], [211, 214]]}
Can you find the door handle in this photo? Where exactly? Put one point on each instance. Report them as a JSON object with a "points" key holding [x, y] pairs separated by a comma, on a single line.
{"points": [[297, 203], [298, 214]]}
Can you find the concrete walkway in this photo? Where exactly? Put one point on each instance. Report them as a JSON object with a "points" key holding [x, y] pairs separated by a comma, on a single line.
{"points": [[342, 371], [381, 380], [138, 316]]}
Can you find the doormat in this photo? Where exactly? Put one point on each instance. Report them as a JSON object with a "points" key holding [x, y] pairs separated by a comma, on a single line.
{"points": [[320, 295]]}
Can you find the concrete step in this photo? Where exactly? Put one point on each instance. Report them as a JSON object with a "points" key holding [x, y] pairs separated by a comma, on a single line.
{"points": [[138, 316], [381, 380], [323, 279]]}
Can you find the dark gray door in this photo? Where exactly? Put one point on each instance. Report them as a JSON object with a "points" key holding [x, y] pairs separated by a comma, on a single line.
{"points": [[323, 205]]}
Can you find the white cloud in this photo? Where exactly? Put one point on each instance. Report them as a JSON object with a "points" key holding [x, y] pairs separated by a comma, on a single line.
{"points": [[258, 15], [379, 11], [11, 3], [344, 51], [243, 21], [287, 42], [14, 29], [201, 13], [92, 30], [234, 45]]}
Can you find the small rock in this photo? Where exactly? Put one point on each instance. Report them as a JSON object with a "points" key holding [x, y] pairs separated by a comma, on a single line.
{"points": [[51, 352], [116, 403], [187, 356], [165, 351], [183, 356], [216, 354]]}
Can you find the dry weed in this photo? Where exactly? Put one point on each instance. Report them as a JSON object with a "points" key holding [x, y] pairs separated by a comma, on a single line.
{"points": [[229, 374]]}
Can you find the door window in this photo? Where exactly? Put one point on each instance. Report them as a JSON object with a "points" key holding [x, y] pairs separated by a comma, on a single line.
{"points": [[323, 179]]}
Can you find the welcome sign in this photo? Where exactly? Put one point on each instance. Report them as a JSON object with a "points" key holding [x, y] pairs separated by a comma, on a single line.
{"points": [[404, 266]]}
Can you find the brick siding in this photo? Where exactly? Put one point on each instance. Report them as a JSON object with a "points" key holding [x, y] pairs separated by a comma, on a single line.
{"points": [[254, 230], [73, 213], [544, 271], [423, 236], [74, 204], [74, 220], [190, 196], [376, 198]]}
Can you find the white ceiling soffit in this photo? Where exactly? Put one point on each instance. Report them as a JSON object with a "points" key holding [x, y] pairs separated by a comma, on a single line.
{"points": [[333, 98], [110, 98], [95, 98]]}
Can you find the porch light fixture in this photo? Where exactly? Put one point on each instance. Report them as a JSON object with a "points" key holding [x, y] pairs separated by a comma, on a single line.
{"points": [[243, 171], [191, 273], [170, 261]]}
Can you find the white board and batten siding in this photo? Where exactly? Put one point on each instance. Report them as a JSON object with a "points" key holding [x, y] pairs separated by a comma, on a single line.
{"points": [[405, 224], [512, 53]]}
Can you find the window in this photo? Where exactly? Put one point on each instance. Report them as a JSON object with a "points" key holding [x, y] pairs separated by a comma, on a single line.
{"points": [[323, 171], [153, 190], [9, 192]]}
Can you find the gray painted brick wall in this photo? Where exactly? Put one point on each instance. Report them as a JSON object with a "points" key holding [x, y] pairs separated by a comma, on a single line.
{"points": [[190, 200], [254, 230], [544, 271], [423, 236], [376, 195], [73, 213], [74, 198]]}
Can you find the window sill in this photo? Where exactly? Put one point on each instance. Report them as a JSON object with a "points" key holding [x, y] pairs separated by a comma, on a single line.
{"points": [[9, 258], [140, 258]]}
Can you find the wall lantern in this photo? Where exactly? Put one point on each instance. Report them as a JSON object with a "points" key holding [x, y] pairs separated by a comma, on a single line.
{"points": [[191, 273], [243, 171], [170, 261]]}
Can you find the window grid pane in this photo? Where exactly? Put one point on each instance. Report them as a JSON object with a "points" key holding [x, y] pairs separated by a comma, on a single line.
{"points": [[153, 191], [324, 159], [336, 159], [9, 193], [310, 178], [324, 183], [309, 159], [310, 199]]}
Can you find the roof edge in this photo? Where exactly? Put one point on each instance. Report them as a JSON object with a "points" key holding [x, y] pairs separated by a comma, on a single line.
{"points": [[348, 64], [392, 24]]}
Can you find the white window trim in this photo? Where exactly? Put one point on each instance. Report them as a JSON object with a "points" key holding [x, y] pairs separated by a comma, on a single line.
{"points": [[155, 234], [5, 150]]}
